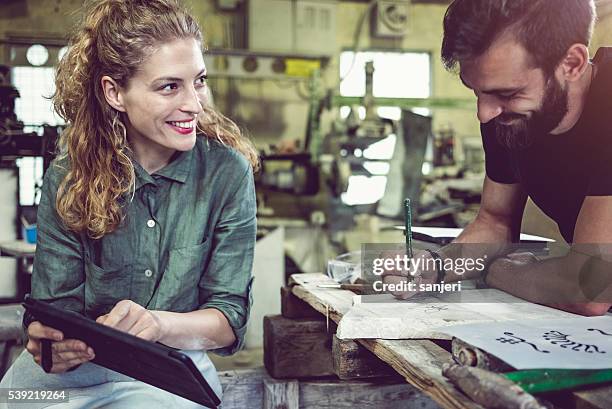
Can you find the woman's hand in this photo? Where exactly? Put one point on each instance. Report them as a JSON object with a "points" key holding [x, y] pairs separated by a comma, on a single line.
{"points": [[127, 316], [66, 353]]}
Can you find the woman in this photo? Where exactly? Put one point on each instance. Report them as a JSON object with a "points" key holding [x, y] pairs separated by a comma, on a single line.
{"points": [[143, 225]]}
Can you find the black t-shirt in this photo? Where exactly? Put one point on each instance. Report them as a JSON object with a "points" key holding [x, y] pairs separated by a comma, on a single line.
{"points": [[559, 171]]}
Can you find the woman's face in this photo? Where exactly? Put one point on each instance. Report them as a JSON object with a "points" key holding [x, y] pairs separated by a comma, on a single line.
{"points": [[164, 98]]}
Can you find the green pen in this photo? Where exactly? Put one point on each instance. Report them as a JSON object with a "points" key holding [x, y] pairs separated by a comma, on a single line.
{"points": [[408, 231]]}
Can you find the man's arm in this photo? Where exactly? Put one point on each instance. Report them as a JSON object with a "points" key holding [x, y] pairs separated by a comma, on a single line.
{"points": [[497, 225], [580, 282], [499, 217]]}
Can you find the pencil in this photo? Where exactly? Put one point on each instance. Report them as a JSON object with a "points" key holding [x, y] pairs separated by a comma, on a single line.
{"points": [[408, 230]]}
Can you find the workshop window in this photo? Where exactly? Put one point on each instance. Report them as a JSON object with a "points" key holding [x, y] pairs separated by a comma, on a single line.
{"points": [[367, 189], [396, 75], [30, 180], [33, 108]]}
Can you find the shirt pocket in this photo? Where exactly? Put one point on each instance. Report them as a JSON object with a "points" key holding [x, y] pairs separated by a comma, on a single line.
{"points": [[178, 288], [104, 288]]}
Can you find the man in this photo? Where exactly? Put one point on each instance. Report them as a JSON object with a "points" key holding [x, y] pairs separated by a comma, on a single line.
{"points": [[543, 108]]}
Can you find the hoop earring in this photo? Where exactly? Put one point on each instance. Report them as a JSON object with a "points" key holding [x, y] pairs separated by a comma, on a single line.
{"points": [[117, 123]]}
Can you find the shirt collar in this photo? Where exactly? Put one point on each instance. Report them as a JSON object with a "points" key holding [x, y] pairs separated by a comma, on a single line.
{"points": [[177, 170]]}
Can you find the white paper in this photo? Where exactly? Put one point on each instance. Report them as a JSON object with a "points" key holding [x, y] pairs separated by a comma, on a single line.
{"points": [[571, 343], [438, 232]]}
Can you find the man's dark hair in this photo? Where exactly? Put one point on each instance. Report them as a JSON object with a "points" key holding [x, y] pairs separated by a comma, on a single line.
{"points": [[546, 28]]}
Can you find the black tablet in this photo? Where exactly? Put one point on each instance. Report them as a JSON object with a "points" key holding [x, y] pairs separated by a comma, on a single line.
{"points": [[149, 362]]}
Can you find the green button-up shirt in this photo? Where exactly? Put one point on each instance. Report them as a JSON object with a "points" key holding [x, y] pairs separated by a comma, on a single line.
{"points": [[186, 242]]}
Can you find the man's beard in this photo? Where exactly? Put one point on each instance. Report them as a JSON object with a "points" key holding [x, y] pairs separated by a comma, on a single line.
{"points": [[524, 130]]}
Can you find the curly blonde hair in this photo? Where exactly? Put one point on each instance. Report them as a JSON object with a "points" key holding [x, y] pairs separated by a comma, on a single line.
{"points": [[114, 39]]}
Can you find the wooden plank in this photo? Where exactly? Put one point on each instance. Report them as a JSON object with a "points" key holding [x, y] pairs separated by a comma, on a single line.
{"points": [[281, 394], [242, 388], [330, 302], [353, 361], [293, 307], [297, 348], [418, 361], [310, 279], [245, 389], [385, 394], [595, 398]]}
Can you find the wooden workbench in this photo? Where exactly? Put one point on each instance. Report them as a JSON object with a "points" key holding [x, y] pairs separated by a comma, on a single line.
{"points": [[17, 249], [420, 361]]}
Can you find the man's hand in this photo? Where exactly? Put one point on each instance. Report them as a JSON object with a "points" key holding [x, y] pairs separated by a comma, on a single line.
{"points": [[505, 265], [418, 277], [523, 258], [127, 316], [66, 353]]}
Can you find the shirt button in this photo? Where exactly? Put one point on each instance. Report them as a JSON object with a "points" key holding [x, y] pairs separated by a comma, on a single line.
{"points": [[148, 273], [151, 223]]}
